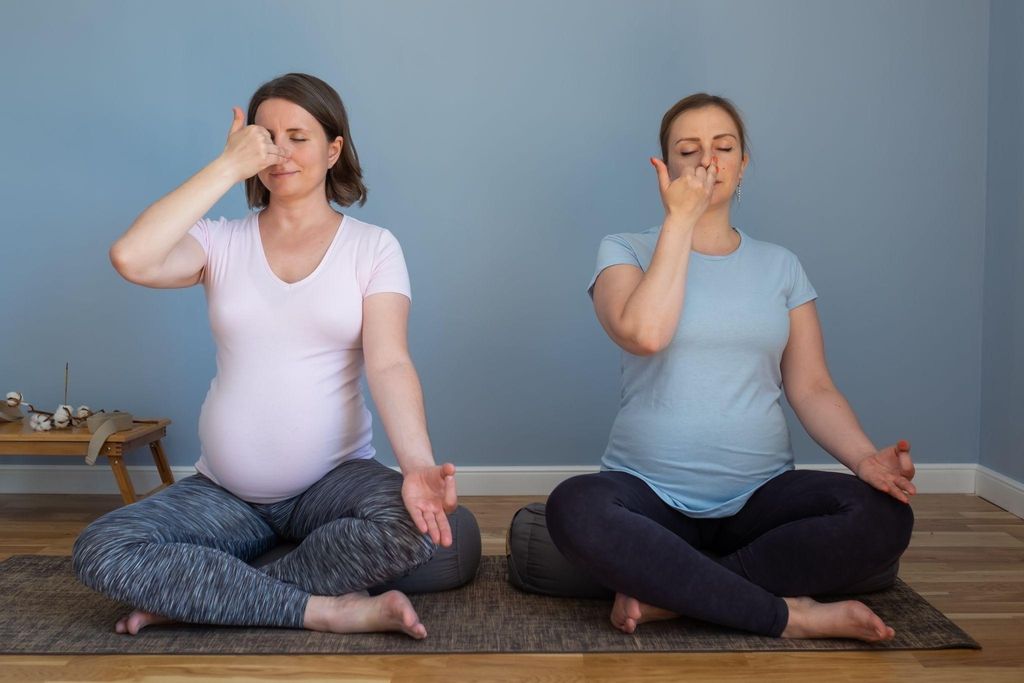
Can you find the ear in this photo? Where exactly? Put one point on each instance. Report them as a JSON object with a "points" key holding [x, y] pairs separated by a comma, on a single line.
{"points": [[743, 164], [334, 151]]}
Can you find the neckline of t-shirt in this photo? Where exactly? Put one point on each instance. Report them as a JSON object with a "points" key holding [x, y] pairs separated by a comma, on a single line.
{"points": [[722, 257], [315, 271]]}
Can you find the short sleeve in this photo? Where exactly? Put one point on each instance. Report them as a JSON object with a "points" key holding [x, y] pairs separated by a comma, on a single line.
{"points": [[800, 289], [388, 273], [201, 232], [614, 250]]}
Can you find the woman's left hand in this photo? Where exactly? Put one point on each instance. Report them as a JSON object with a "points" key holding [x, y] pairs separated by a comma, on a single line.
{"points": [[429, 495], [890, 471]]}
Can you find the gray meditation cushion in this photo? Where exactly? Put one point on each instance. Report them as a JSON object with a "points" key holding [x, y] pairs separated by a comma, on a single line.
{"points": [[449, 568], [536, 566]]}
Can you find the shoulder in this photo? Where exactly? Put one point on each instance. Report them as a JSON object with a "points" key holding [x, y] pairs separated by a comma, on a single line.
{"points": [[227, 225], [221, 232], [769, 252], [368, 235], [645, 239], [628, 246], [624, 248], [784, 267], [374, 248]]}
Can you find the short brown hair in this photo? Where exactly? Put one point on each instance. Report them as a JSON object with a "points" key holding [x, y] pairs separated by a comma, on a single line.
{"points": [[699, 101], [344, 181]]}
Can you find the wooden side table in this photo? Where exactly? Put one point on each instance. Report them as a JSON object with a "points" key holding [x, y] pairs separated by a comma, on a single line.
{"points": [[17, 438]]}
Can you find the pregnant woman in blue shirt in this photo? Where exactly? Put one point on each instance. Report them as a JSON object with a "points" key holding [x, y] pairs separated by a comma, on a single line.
{"points": [[698, 510]]}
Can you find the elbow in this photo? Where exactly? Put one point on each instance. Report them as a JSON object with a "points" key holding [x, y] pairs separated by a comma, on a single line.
{"points": [[799, 395], [638, 335], [124, 264], [380, 367], [127, 264], [120, 260], [118, 257], [648, 342]]}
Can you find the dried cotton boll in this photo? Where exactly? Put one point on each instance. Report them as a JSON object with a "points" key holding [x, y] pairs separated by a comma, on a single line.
{"points": [[62, 416], [83, 412], [14, 399], [41, 423]]}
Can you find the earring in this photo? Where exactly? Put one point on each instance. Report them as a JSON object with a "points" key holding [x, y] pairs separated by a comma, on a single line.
{"points": [[739, 189]]}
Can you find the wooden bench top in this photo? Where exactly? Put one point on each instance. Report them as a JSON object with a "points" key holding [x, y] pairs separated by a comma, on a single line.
{"points": [[21, 432]]}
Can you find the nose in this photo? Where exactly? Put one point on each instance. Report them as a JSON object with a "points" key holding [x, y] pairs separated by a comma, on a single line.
{"points": [[705, 159]]}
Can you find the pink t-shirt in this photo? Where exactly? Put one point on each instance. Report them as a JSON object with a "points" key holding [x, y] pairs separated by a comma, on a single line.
{"points": [[285, 407]]}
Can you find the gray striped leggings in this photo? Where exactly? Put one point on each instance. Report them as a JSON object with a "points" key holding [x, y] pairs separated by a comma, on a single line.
{"points": [[183, 553]]}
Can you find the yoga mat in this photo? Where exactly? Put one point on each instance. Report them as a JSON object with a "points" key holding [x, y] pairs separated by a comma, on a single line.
{"points": [[44, 610]]}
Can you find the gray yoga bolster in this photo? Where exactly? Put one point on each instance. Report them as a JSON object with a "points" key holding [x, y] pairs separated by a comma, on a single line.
{"points": [[536, 566]]}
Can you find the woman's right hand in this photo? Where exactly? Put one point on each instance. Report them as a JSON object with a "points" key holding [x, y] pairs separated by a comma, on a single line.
{"points": [[249, 149], [688, 195]]}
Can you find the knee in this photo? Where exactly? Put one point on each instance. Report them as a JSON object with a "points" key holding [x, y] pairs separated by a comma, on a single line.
{"points": [[561, 509], [411, 547], [457, 563], [394, 530], [98, 552], [84, 554], [574, 511], [460, 559], [888, 522], [446, 567], [899, 520]]}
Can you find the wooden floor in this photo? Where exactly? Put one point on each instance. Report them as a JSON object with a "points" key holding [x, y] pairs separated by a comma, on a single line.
{"points": [[966, 558]]}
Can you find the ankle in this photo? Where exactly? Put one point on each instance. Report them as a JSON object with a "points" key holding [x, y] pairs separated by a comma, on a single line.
{"points": [[796, 622], [318, 610]]}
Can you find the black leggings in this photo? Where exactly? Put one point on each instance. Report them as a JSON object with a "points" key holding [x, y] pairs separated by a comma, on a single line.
{"points": [[803, 533]]}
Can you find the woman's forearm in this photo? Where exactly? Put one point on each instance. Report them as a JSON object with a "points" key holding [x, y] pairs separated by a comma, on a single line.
{"points": [[830, 421], [154, 234], [653, 310], [398, 396]]}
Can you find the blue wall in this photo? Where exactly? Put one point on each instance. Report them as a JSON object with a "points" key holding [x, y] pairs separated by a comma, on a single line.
{"points": [[500, 143], [1002, 422]]}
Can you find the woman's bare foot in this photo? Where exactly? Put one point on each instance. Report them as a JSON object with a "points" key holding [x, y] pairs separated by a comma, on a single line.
{"points": [[628, 613], [847, 619], [359, 613], [138, 620]]}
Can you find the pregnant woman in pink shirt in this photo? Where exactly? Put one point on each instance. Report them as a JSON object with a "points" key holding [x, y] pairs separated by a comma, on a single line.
{"points": [[301, 298]]}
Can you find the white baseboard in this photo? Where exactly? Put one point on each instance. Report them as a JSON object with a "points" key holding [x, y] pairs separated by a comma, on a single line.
{"points": [[539, 480], [1001, 490], [79, 478], [483, 480]]}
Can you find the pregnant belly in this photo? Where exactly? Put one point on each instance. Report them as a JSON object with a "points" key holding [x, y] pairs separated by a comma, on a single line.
{"points": [[270, 455]]}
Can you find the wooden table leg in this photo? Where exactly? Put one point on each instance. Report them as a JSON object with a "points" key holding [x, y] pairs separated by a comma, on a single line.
{"points": [[160, 458], [124, 482]]}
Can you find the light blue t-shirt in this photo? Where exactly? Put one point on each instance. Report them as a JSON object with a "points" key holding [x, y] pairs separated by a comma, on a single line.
{"points": [[701, 421]]}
